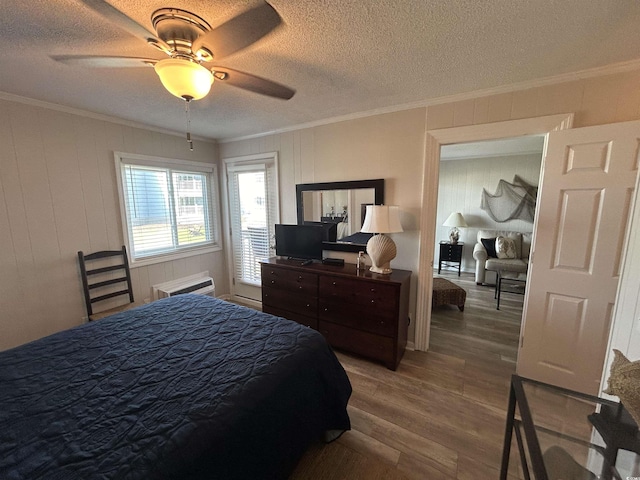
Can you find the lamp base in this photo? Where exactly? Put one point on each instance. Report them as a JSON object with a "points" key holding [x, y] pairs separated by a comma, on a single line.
{"points": [[381, 250], [382, 270], [454, 235]]}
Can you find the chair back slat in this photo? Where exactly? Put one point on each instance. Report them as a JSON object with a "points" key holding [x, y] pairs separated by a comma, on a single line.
{"points": [[111, 268], [98, 290]]}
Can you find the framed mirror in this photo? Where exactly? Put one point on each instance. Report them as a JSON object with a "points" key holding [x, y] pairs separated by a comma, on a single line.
{"points": [[342, 204]]}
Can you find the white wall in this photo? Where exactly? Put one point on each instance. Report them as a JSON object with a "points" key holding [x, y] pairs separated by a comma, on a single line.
{"points": [[58, 195], [389, 146], [460, 190]]}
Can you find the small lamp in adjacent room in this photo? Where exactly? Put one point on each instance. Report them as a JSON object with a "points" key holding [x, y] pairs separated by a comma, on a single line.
{"points": [[455, 220], [381, 219]]}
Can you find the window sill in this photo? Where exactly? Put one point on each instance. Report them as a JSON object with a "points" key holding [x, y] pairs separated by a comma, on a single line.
{"points": [[168, 257]]}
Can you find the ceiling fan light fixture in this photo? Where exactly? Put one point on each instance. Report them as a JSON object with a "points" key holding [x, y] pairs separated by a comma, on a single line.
{"points": [[184, 79]]}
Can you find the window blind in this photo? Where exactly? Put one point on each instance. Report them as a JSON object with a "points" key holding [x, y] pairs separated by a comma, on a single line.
{"points": [[167, 208], [252, 190]]}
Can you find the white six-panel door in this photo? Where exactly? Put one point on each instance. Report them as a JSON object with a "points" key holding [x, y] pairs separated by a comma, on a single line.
{"points": [[587, 191]]}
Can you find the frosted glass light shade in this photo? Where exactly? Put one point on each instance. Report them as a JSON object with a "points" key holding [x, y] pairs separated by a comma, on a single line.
{"points": [[381, 249], [184, 79]]}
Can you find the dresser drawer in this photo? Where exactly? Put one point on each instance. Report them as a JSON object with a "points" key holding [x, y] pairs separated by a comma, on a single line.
{"points": [[286, 300], [301, 282], [363, 343], [372, 296], [356, 311], [351, 315], [296, 317], [451, 253]]}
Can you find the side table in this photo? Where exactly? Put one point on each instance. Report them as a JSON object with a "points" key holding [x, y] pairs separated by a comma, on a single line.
{"points": [[450, 255], [565, 434]]}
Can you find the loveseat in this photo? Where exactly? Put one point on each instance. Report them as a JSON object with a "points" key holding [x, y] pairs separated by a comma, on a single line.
{"points": [[515, 252]]}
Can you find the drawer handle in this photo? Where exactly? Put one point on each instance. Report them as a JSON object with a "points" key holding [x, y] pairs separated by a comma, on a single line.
{"points": [[333, 283], [266, 295], [308, 305], [272, 272], [373, 289], [299, 277], [373, 301], [326, 309], [273, 281], [300, 287]]}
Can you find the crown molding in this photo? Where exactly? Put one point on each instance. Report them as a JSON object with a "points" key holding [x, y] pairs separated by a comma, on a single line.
{"points": [[95, 116], [610, 69]]}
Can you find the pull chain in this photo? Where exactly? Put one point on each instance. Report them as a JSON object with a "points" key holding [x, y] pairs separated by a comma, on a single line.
{"points": [[188, 118]]}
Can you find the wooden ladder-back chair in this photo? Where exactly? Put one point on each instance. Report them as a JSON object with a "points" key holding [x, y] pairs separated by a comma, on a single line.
{"points": [[103, 275]]}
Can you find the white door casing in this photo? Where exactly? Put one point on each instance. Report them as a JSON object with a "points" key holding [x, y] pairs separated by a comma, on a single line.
{"points": [[447, 136], [253, 210], [585, 199]]}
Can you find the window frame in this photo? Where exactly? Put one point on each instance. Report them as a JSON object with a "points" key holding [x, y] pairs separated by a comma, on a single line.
{"points": [[122, 159]]}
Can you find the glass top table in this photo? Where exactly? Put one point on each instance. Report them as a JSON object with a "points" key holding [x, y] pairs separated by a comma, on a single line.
{"points": [[562, 434]]}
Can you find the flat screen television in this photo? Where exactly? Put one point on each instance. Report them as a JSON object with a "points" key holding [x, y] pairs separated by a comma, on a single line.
{"points": [[300, 241]]}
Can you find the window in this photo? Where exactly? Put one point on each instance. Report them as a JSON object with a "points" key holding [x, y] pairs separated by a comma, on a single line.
{"points": [[169, 207]]}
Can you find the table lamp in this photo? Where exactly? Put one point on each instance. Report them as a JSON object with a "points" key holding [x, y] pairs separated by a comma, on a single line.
{"points": [[455, 220], [381, 219]]}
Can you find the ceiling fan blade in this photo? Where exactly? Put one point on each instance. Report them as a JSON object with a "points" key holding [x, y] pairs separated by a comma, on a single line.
{"points": [[240, 31], [123, 21], [252, 83], [104, 62]]}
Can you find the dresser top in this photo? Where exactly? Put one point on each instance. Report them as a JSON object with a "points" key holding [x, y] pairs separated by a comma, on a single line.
{"points": [[347, 270]]}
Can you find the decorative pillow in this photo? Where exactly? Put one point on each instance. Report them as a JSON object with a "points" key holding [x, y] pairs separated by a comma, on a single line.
{"points": [[490, 246], [624, 379], [506, 247]]}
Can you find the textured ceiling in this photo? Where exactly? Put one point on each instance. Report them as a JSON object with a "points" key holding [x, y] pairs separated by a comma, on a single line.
{"points": [[342, 56]]}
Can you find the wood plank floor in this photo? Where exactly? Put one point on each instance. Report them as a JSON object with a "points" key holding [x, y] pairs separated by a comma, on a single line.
{"points": [[442, 414]]}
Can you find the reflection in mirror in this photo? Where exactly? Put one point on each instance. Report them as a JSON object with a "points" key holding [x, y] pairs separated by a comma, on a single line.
{"points": [[340, 203], [342, 207]]}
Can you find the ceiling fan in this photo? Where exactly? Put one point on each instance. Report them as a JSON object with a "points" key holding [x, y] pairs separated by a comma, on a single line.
{"points": [[191, 45]]}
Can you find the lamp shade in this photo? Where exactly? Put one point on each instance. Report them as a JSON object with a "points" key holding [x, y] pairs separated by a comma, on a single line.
{"points": [[455, 220], [184, 79], [381, 219]]}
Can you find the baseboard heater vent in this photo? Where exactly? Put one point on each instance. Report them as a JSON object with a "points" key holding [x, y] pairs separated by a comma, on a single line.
{"points": [[200, 283]]}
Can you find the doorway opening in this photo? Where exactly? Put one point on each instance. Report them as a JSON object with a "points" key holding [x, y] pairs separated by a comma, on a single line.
{"points": [[429, 219], [507, 172]]}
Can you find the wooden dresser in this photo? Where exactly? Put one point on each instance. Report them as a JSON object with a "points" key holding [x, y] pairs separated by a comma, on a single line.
{"points": [[357, 311]]}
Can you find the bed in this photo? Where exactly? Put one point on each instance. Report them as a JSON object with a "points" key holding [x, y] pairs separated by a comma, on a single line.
{"points": [[187, 387]]}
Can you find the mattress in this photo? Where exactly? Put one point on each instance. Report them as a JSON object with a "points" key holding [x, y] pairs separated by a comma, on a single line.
{"points": [[185, 387]]}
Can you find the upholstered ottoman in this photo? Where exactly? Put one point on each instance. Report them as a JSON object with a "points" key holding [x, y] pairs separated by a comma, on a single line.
{"points": [[448, 293]]}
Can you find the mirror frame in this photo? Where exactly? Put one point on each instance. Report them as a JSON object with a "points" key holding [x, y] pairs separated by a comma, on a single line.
{"points": [[376, 184]]}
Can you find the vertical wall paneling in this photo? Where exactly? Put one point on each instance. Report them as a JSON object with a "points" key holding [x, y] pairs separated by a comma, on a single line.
{"points": [[460, 190], [389, 146], [58, 195], [92, 199]]}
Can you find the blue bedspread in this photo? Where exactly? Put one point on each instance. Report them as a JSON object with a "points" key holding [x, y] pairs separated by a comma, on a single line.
{"points": [[186, 387]]}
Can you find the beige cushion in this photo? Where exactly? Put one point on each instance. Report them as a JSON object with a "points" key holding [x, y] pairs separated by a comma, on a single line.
{"points": [[506, 264], [506, 247], [624, 382], [522, 251]]}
